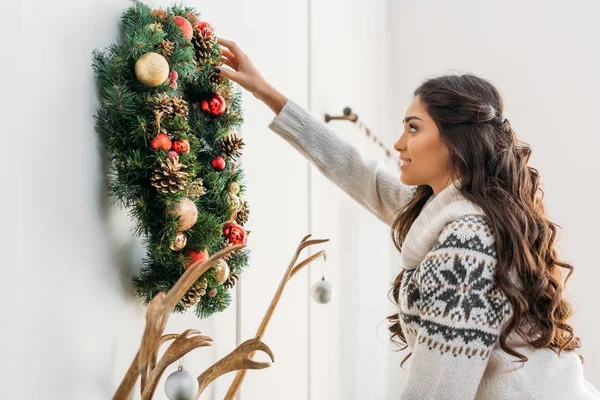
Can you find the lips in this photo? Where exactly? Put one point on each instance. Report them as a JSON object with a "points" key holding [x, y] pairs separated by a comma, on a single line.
{"points": [[404, 162]]}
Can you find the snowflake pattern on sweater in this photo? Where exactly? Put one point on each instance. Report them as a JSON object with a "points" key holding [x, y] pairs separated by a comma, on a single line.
{"points": [[450, 302]]}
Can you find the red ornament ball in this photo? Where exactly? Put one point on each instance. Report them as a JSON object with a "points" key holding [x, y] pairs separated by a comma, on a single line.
{"points": [[212, 293], [162, 142], [172, 154], [235, 233], [218, 163], [173, 75], [181, 146], [215, 105], [185, 26], [194, 256], [205, 28], [194, 18]]}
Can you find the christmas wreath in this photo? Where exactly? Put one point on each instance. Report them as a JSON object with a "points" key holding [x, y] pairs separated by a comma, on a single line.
{"points": [[168, 124]]}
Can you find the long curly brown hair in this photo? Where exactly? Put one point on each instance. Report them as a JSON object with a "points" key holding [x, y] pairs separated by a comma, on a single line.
{"points": [[492, 165]]}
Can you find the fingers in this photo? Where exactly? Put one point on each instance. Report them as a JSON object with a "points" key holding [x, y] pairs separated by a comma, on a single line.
{"points": [[235, 50], [229, 74], [227, 53], [229, 63]]}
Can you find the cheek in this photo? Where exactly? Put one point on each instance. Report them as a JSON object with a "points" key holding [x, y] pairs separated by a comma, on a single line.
{"points": [[428, 151]]}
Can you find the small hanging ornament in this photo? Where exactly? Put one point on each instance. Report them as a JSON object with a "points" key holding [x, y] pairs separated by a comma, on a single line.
{"points": [[152, 69], [187, 212], [181, 385], [234, 233], [194, 256], [215, 105], [185, 26], [181, 146], [218, 163], [161, 142], [221, 271], [235, 204], [323, 291], [173, 75], [194, 18], [234, 188], [179, 242]]}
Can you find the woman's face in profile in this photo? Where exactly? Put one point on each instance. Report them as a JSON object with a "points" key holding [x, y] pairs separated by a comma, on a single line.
{"points": [[421, 143]]}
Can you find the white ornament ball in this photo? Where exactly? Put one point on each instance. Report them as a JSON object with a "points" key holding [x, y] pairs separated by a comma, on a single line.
{"points": [[181, 385], [323, 291]]}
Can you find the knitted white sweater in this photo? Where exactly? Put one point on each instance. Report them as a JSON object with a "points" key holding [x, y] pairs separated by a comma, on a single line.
{"points": [[450, 308]]}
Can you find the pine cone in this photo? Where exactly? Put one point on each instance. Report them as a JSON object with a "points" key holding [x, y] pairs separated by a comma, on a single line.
{"points": [[179, 106], [170, 178], [216, 79], [231, 146], [194, 294], [163, 104], [203, 44], [165, 48], [243, 213], [231, 281]]}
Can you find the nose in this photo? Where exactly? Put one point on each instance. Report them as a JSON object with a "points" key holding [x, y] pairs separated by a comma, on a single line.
{"points": [[399, 146]]}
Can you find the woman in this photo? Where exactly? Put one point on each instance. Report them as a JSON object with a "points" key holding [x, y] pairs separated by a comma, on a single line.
{"points": [[481, 300]]}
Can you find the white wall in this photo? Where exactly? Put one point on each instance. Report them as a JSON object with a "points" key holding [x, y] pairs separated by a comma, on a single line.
{"points": [[81, 307], [543, 56], [78, 320], [349, 341]]}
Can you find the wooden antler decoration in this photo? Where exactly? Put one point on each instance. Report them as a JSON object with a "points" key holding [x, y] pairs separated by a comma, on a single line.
{"points": [[160, 308], [289, 273]]}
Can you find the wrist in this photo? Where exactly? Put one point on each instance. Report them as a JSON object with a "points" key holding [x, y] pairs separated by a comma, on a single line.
{"points": [[270, 96], [263, 90]]}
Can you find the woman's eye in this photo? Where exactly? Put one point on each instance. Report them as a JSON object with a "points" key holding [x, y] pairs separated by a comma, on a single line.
{"points": [[412, 127]]}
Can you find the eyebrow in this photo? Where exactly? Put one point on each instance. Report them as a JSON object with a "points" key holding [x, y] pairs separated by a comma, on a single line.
{"points": [[408, 119]]}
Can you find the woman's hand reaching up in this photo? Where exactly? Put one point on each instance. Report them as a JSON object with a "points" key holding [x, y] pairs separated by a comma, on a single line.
{"points": [[242, 71]]}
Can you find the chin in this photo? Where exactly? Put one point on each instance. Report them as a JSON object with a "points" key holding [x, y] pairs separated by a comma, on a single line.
{"points": [[408, 181], [404, 179]]}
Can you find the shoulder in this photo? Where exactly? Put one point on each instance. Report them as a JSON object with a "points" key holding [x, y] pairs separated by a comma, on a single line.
{"points": [[468, 233]]}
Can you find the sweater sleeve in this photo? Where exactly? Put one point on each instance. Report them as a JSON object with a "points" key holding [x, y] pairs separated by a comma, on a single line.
{"points": [[369, 183], [458, 310]]}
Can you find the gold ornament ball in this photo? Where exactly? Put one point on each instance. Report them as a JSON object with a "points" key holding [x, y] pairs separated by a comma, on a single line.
{"points": [[234, 188], [179, 242], [152, 69], [235, 204], [221, 271], [188, 214]]}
